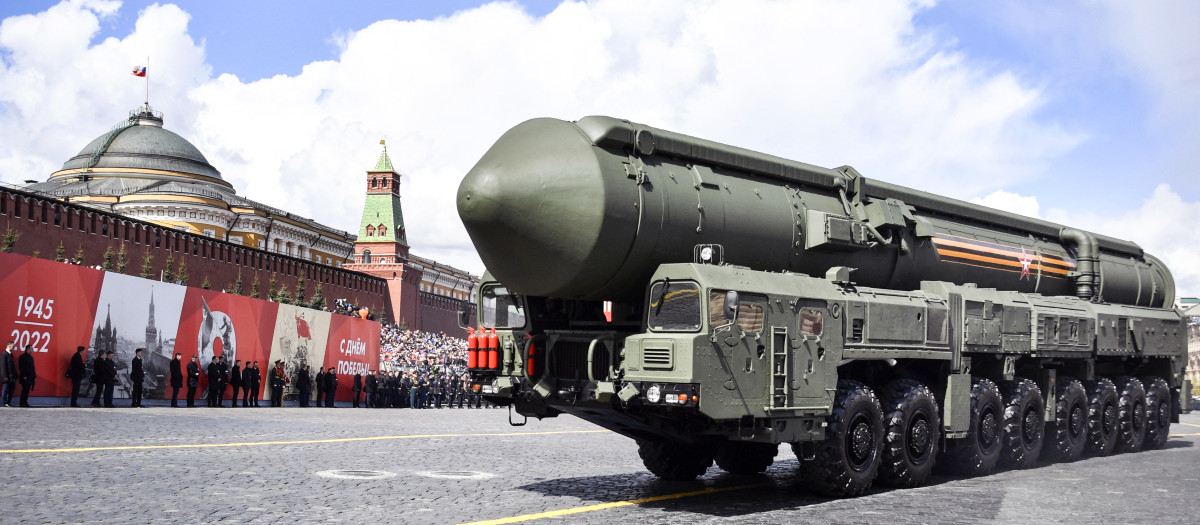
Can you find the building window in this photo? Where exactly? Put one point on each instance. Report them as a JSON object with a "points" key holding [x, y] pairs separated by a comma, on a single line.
{"points": [[374, 182], [370, 231], [236, 239], [366, 257], [382, 230], [182, 228], [262, 244], [210, 233]]}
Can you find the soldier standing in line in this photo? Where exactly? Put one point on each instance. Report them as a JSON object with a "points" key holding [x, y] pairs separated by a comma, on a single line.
{"points": [[108, 377], [136, 376], [320, 387], [97, 365], [235, 381], [439, 391], [331, 381], [304, 385], [214, 374], [8, 373], [27, 368], [279, 380], [356, 387], [176, 379], [75, 372], [252, 384], [222, 380], [193, 380], [371, 385]]}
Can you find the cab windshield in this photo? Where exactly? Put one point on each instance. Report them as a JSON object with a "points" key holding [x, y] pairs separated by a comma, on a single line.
{"points": [[500, 308], [674, 306]]}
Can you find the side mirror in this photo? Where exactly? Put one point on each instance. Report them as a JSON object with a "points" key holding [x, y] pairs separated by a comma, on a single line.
{"points": [[731, 305], [464, 319]]}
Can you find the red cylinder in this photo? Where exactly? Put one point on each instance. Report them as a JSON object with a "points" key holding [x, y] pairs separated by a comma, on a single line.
{"points": [[493, 353], [472, 347], [529, 369]]}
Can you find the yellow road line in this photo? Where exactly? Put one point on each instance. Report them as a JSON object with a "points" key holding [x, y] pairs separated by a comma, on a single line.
{"points": [[603, 506], [1182, 435], [296, 442], [1189, 424]]}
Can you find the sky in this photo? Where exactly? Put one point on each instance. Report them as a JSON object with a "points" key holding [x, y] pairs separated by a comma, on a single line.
{"points": [[1083, 112]]}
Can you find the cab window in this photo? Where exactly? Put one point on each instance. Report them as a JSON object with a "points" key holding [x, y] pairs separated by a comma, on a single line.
{"points": [[501, 309], [674, 306], [750, 310]]}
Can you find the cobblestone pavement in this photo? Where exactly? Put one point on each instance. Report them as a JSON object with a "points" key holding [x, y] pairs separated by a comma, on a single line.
{"points": [[454, 466]]}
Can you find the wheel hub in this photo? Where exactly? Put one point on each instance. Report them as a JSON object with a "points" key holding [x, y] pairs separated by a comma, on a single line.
{"points": [[987, 429], [918, 437], [1138, 411], [1110, 418], [1076, 423], [862, 443], [1031, 431]]}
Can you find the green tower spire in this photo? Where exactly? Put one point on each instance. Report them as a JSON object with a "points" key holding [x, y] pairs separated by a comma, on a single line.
{"points": [[383, 219]]}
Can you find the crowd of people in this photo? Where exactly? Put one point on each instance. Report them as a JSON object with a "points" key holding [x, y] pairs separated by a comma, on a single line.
{"points": [[417, 370]]}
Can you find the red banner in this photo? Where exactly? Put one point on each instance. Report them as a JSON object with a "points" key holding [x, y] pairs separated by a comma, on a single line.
{"points": [[56, 307]]}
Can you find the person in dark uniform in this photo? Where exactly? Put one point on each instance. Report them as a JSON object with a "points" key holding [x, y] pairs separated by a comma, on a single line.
{"points": [[176, 378], [235, 381], [223, 370], [320, 387], [97, 365], [8, 373], [136, 376], [370, 386], [356, 387], [75, 373], [304, 385], [28, 372], [331, 381], [251, 378], [108, 377], [193, 380], [279, 380]]}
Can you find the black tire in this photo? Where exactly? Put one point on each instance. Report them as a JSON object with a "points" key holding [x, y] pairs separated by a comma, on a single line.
{"points": [[1131, 407], [978, 452], [1066, 436], [846, 462], [1024, 423], [911, 429], [1158, 412], [746, 458], [1103, 418], [673, 460]]}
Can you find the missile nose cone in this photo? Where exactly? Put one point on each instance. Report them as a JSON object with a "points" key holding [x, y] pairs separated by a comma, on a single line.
{"points": [[535, 208]]}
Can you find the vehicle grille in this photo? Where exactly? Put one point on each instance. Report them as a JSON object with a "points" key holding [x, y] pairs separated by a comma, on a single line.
{"points": [[657, 358]]}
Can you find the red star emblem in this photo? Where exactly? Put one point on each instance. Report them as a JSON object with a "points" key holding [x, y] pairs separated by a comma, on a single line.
{"points": [[1026, 260]]}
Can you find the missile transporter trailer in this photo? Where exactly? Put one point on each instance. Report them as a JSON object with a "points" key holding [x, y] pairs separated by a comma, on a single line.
{"points": [[712, 302]]}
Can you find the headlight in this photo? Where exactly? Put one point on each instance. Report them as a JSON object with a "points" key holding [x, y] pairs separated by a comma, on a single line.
{"points": [[653, 394]]}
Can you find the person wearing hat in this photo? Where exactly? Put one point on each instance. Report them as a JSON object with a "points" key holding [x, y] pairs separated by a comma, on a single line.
{"points": [[279, 380]]}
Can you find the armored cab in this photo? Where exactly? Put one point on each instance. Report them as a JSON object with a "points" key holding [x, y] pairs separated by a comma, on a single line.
{"points": [[713, 302]]}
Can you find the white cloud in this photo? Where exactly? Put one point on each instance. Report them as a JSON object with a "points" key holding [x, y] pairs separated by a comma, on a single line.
{"points": [[1010, 202], [829, 84]]}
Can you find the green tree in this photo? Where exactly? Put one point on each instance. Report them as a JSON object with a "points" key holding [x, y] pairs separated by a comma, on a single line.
{"points": [[79, 255], [254, 288], [206, 285], [60, 253], [168, 274], [318, 298], [272, 288], [282, 296], [148, 266], [236, 287], [107, 259], [301, 289], [36, 254], [182, 276], [10, 239], [122, 259]]}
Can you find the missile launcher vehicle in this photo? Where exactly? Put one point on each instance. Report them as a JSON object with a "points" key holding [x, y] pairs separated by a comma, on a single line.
{"points": [[712, 303]]}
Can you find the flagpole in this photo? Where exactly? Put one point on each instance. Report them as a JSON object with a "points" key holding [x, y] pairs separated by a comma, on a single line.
{"points": [[147, 75]]}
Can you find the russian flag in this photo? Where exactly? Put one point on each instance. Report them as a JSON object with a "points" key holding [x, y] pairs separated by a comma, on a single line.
{"points": [[139, 71]]}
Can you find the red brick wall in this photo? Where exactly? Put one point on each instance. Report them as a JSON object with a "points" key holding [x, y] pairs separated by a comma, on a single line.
{"points": [[45, 223]]}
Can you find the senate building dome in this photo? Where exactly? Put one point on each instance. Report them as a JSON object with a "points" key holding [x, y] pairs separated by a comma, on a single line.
{"points": [[142, 170]]}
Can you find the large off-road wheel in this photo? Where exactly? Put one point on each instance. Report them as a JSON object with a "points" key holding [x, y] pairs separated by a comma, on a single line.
{"points": [[977, 453], [1024, 423], [1158, 412], [1131, 409], [738, 457], [911, 425], [847, 461], [1103, 421], [673, 460], [1066, 436]]}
